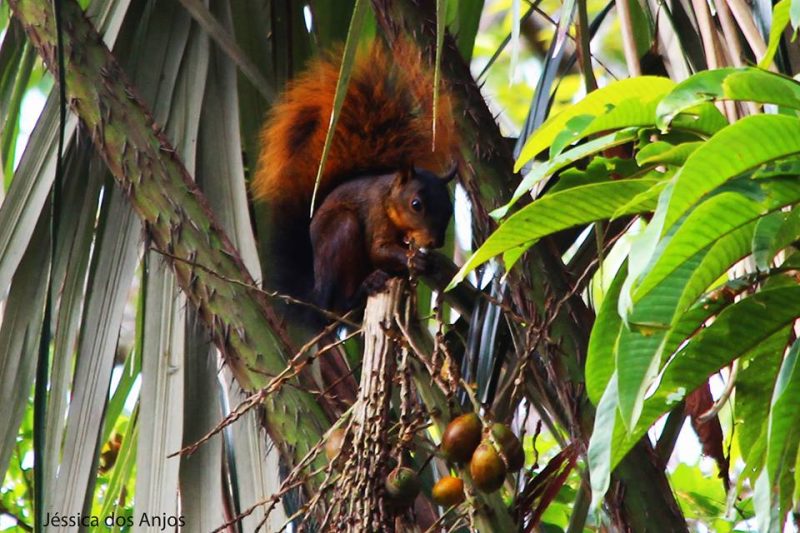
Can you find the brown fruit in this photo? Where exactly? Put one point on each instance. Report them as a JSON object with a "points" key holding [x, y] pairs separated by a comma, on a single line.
{"points": [[448, 491], [402, 485], [461, 436], [334, 443], [510, 445], [487, 468]]}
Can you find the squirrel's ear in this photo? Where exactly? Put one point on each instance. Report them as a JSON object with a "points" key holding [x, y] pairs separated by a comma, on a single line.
{"points": [[450, 174], [404, 175]]}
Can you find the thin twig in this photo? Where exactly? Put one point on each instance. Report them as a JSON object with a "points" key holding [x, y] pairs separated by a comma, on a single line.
{"points": [[271, 294], [291, 371]]}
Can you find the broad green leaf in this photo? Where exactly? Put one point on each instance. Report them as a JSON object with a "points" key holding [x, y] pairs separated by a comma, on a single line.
{"points": [[663, 153], [764, 236], [758, 139], [625, 114], [780, 19], [784, 429], [754, 386], [756, 456], [646, 198], [688, 323], [742, 84], [563, 160], [639, 354], [772, 240], [600, 448], [602, 169], [637, 367], [712, 220], [573, 130], [703, 119], [700, 496], [554, 212], [737, 331], [600, 355], [721, 255], [595, 103]]}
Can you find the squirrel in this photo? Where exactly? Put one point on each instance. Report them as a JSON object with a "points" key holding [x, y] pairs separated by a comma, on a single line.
{"points": [[382, 199]]}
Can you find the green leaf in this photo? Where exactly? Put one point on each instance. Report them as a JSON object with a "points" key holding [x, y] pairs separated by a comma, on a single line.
{"points": [[600, 445], [719, 257], [784, 429], [703, 119], [465, 25], [572, 132], [562, 160], [758, 139], [770, 239], [780, 19], [554, 212], [741, 84], [600, 355], [637, 367], [639, 350], [663, 153], [595, 103], [360, 9], [700, 496], [737, 331], [711, 220], [754, 386], [764, 236]]}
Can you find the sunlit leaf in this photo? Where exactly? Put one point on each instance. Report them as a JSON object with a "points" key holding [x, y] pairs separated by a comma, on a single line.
{"points": [[737, 330], [600, 356], [562, 160], [711, 220], [780, 19], [551, 213], [743, 84], [596, 103]]}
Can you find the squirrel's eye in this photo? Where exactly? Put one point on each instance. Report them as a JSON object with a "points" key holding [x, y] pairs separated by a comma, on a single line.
{"points": [[416, 204]]}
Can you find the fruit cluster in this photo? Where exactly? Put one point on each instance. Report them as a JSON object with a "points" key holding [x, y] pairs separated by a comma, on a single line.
{"points": [[492, 452]]}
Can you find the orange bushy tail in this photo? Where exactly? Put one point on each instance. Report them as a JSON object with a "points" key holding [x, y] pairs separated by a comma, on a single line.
{"points": [[386, 122]]}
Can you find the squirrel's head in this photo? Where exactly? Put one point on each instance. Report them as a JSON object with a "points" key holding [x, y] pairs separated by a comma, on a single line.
{"points": [[421, 206]]}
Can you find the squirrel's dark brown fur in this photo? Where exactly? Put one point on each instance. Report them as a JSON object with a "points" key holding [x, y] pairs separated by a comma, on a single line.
{"points": [[373, 199]]}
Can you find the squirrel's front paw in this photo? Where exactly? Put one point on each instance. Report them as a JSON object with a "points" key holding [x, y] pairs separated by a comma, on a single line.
{"points": [[376, 282], [419, 262]]}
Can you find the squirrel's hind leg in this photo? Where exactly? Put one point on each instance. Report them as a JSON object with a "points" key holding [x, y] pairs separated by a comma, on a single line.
{"points": [[340, 259]]}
